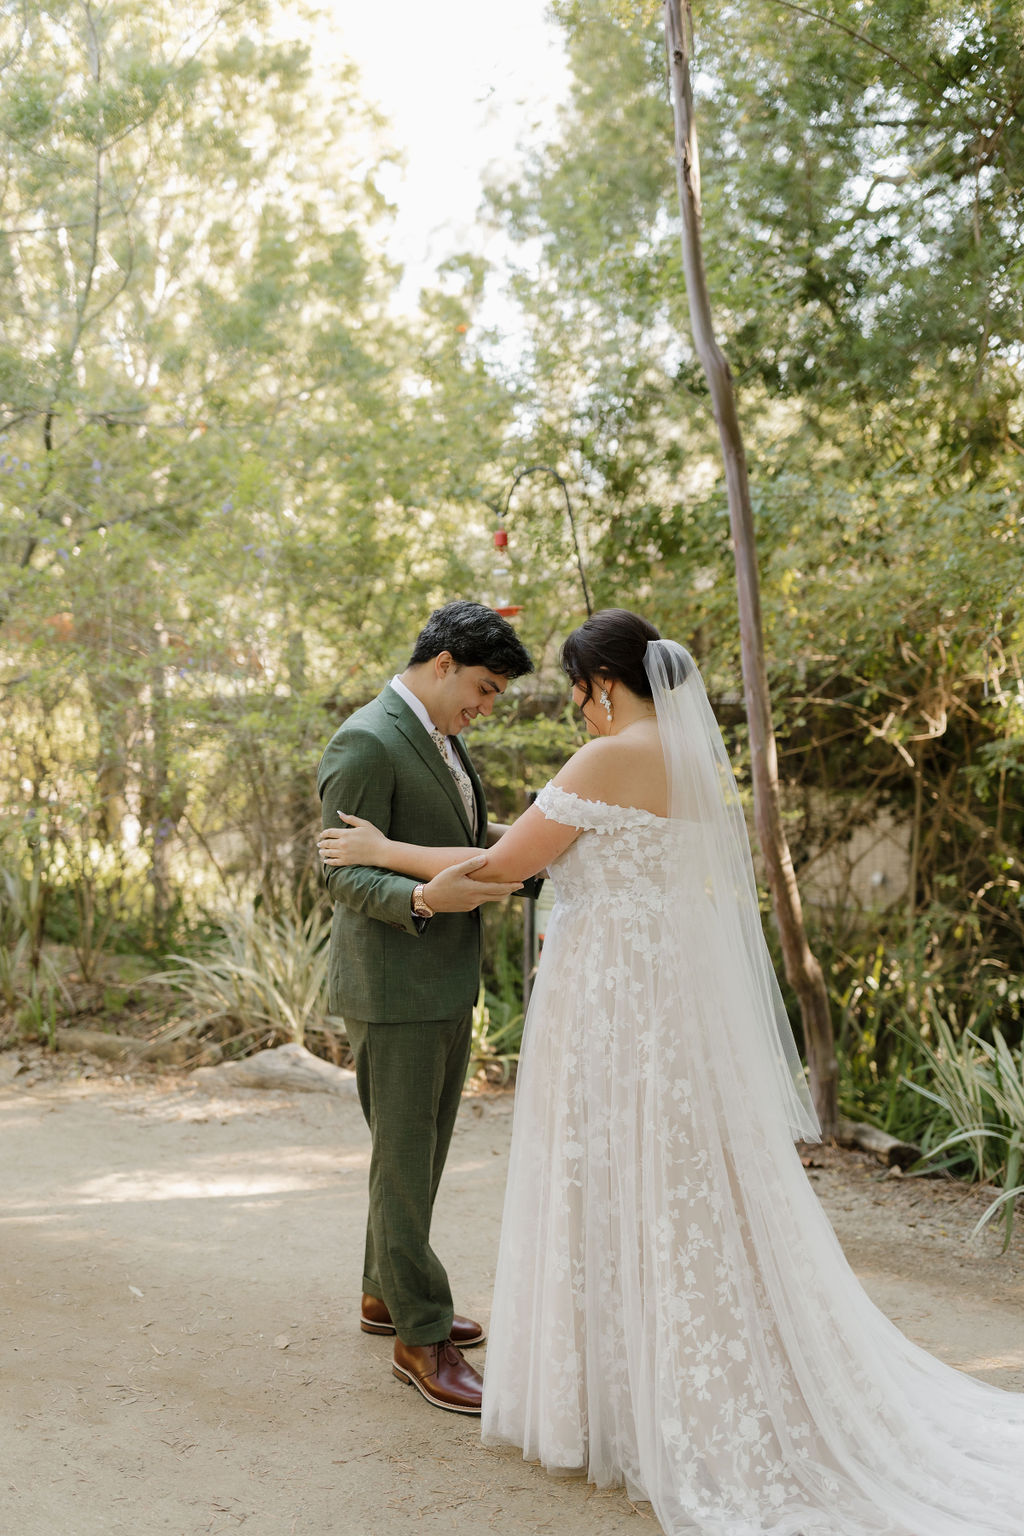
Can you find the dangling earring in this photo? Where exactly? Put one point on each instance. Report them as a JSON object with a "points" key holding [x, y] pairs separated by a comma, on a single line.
{"points": [[607, 704]]}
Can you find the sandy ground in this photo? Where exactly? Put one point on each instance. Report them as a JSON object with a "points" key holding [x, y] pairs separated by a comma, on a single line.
{"points": [[180, 1354]]}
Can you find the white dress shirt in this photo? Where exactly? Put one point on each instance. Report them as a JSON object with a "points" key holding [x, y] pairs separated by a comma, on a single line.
{"points": [[463, 782], [419, 709]]}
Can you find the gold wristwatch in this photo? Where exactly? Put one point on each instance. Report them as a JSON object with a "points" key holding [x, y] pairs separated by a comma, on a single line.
{"points": [[419, 906]]}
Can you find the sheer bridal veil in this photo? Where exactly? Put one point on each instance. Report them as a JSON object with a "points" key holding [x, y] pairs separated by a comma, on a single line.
{"points": [[758, 1050]]}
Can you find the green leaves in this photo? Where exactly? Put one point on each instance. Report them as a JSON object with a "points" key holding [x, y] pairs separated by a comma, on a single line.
{"points": [[978, 1085], [231, 483], [261, 983], [26, 112]]}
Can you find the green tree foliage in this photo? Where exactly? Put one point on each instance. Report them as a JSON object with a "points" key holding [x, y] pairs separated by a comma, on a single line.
{"points": [[863, 184], [231, 481]]}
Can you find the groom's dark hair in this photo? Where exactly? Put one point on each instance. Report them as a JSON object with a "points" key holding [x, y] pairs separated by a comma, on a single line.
{"points": [[475, 636]]}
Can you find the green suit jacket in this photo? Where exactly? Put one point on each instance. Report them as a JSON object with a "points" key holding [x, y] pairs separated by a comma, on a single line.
{"points": [[381, 764]]}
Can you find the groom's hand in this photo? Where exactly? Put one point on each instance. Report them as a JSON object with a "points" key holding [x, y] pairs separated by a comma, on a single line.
{"points": [[455, 890]]}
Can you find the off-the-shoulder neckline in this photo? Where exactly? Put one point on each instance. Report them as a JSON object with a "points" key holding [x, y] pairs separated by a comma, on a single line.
{"points": [[608, 805]]}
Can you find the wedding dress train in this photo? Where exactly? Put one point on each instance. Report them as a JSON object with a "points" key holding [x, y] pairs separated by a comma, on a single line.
{"points": [[672, 1309]]}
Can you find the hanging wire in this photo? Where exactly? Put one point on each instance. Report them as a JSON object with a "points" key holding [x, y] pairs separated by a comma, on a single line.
{"points": [[545, 469]]}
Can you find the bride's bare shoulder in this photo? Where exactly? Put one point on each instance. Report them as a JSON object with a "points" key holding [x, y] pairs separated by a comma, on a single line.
{"points": [[618, 772], [585, 770]]}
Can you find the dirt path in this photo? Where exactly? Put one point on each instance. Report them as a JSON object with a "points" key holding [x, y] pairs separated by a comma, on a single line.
{"points": [[179, 1352]]}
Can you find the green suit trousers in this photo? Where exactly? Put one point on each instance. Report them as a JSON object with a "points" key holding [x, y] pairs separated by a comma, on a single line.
{"points": [[410, 1079]]}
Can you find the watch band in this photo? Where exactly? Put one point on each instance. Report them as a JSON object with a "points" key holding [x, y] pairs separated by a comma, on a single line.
{"points": [[419, 906]]}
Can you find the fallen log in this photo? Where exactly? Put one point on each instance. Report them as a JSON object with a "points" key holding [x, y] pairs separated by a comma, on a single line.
{"points": [[97, 1042], [893, 1152], [287, 1066]]}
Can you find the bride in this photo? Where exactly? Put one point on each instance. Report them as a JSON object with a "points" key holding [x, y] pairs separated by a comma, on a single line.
{"points": [[672, 1310]]}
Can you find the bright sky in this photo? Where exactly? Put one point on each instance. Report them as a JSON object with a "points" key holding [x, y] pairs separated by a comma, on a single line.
{"points": [[463, 83]]}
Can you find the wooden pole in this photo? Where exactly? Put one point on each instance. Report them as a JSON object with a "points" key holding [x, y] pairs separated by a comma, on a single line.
{"points": [[802, 969]]}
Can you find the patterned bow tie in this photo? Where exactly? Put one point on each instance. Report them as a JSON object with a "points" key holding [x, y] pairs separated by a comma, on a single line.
{"points": [[459, 774]]}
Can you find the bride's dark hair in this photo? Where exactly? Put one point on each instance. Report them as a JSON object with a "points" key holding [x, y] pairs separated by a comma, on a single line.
{"points": [[610, 644]]}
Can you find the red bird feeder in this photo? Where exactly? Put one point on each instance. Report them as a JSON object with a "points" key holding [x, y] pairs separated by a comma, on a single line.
{"points": [[501, 577], [502, 574]]}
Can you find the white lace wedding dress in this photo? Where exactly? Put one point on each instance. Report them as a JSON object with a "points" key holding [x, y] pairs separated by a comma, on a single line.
{"points": [[672, 1309]]}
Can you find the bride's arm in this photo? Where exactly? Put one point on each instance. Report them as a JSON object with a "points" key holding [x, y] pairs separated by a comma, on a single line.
{"points": [[360, 842], [527, 847], [451, 882]]}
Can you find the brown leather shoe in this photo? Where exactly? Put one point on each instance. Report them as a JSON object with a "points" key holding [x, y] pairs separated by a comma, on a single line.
{"points": [[441, 1374], [375, 1318]]}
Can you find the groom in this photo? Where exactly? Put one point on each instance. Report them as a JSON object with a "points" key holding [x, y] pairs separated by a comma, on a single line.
{"points": [[405, 969]]}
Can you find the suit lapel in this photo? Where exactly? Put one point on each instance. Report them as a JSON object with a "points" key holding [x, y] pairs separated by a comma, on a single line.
{"points": [[414, 733]]}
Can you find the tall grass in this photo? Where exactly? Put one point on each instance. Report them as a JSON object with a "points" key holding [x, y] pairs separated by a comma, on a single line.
{"points": [[977, 1086], [15, 936], [262, 982], [497, 1034], [498, 1016], [30, 986]]}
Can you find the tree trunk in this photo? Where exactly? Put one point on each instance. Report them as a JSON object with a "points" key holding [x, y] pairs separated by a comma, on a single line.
{"points": [[913, 875], [802, 969], [161, 822]]}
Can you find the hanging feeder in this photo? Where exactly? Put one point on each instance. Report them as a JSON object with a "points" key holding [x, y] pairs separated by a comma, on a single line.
{"points": [[502, 577], [502, 574]]}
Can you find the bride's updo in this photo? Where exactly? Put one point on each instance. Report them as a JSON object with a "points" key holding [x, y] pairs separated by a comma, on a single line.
{"points": [[612, 644]]}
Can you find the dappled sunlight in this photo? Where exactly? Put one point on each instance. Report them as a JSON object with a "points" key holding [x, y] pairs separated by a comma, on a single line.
{"points": [[15, 1114], [290, 1171], [114, 1188], [182, 1103], [493, 1163], [1006, 1361]]}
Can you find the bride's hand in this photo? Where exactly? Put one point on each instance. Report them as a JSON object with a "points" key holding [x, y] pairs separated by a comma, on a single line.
{"points": [[358, 842]]}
